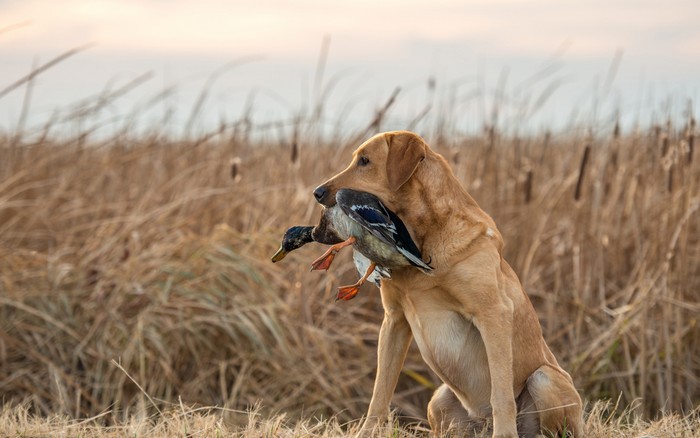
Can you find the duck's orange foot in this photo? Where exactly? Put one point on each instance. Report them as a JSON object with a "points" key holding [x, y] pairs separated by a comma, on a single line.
{"points": [[346, 293], [324, 262]]}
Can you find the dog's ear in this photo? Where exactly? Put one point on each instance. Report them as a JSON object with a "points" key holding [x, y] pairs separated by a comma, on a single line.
{"points": [[406, 151]]}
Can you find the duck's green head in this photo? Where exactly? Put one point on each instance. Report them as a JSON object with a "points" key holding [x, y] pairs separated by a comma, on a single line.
{"points": [[294, 238]]}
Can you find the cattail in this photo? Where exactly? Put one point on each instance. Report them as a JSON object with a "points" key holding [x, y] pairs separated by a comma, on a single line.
{"points": [[295, 152], [664, 144], [528, 186], [691, 140], [235, 165], [657, 135], [616, 130], [582, 170], [492, 135]]}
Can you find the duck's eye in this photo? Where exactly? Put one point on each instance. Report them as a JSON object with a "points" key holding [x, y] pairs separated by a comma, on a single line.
{"points": [[363, 161]]}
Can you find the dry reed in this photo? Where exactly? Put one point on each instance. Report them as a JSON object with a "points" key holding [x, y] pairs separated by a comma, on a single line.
{"points": [[155, 254]]}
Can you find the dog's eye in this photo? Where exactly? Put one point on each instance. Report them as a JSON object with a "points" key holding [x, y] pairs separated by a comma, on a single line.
{"points": [[363, 161]]}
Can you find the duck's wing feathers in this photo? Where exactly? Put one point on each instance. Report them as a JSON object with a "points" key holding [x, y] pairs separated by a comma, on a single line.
{"points": [[368, 211], [406, 245]]}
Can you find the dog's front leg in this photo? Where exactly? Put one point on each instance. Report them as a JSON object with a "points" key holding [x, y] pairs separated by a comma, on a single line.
{"points": [[495, 325], [394, 339]]}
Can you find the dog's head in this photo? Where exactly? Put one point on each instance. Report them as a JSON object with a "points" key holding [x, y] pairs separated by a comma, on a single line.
{"points": [[381, 166]]}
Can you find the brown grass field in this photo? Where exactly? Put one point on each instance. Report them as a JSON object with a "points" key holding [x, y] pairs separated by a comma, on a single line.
{"points": [[137, 297]]}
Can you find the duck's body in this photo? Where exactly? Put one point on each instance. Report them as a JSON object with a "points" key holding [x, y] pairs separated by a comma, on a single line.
{"points": [[380, 240], [363, 264], [380, 235]]}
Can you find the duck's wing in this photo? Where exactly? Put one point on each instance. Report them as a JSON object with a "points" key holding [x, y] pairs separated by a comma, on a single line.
{"points": [[368, 211], [406, 245]]}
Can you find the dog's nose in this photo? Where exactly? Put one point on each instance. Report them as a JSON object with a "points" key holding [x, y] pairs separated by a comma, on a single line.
{"points": [[320, 193]]}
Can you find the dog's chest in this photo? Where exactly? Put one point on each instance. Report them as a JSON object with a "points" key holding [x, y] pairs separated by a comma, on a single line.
{"points": [[452, 346]]}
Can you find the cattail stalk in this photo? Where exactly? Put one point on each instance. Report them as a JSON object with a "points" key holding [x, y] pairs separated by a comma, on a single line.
{"points": [[582, 170], [528, 186], [691, 140]]}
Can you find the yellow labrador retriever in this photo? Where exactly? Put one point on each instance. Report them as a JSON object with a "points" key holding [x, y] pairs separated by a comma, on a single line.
{"points": [[472, 321]]}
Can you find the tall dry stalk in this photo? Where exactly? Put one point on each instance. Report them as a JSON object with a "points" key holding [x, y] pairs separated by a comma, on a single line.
{"points": [[155, 254]]}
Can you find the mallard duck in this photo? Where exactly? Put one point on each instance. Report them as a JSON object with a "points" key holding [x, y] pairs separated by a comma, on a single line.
{"points": [[379, 238], [298, 236]]}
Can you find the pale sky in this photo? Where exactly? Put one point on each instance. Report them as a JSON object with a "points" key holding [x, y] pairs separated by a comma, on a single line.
{"points": [[375, 46]]}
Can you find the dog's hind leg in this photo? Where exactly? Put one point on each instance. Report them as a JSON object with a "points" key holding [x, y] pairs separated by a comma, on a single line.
{"points": [[527, 420], [447, 416], [557, 402]]}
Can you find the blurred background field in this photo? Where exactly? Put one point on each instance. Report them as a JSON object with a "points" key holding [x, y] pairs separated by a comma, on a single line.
{"points": [[146, 180], [136, 272]]}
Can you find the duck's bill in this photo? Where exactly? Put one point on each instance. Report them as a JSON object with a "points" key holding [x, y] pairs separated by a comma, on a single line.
{"points": [[279, 255]]}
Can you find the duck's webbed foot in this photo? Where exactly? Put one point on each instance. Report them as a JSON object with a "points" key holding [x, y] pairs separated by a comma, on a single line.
{"points": [[324, 262], [346, 293]]}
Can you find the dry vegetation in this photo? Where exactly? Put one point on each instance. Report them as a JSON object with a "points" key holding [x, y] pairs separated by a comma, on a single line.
{"points": [[603, 422], [135, 282]]}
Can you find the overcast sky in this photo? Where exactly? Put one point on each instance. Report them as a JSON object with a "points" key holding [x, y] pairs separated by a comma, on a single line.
{"points": [[516, 53]]}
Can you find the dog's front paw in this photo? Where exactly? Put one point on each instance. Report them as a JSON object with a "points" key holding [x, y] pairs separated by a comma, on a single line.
{"points": [[505, 434], [371, 427]]}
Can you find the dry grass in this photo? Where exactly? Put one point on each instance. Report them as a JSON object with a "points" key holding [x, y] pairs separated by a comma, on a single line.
{"points": [[150, 253], [603, 421]]}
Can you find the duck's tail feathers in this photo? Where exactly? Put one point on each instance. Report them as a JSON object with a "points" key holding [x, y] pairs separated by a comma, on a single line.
{"points": [[383, 273], [416, 261]]}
